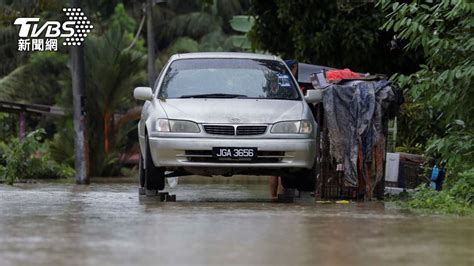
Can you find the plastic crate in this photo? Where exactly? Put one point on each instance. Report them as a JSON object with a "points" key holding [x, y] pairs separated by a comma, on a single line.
{"points": [[337, 192]]}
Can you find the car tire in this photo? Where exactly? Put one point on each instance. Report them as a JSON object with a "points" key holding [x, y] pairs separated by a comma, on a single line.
{"points": [[307, 182], [303, 181], [141, 170], [154, 176], [288, 181]]}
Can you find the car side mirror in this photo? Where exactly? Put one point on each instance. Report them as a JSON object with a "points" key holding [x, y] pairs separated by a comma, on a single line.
{"points": [[314, 96], [143, 93]]}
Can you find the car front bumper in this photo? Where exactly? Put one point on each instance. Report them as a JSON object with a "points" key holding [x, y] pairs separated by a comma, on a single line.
{"points": [[197, 152]]}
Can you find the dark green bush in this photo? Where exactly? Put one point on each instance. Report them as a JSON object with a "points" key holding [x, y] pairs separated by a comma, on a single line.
{"points": [[29, 158], [456, 198], [463, 189]]}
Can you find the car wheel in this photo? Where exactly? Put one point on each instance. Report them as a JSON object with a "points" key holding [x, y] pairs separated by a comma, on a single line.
{"points": [[303, 181], [288, 181], [307, 182], [154, 176], [141, 171]]}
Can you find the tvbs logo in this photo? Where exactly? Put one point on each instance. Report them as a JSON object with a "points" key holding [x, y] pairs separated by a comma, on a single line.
{"points": [[34, 37]]}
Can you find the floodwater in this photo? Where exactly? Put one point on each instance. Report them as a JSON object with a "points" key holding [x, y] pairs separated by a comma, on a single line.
{"points": [[217, 224]]}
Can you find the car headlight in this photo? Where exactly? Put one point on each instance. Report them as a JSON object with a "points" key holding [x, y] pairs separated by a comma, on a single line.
{"points": [[162, 125], [292, 127], [305, 127], [183, 126]]}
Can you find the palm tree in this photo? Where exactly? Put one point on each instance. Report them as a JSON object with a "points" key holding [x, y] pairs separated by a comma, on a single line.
{"points": [[10, 10], [112, 70], [40, 77], [196, 26], [111, 74]]}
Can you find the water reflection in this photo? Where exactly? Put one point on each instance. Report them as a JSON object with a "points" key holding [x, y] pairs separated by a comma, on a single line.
{"points": [[107, 224]]}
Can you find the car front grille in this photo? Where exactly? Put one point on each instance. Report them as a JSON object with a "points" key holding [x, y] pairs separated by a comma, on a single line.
{"points": [[205, 156], [219, 130], [229, 130], [251, 130]]}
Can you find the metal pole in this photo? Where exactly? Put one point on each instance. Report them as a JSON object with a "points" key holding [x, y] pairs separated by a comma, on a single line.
{"points": [[78, 94], [150, 43]]}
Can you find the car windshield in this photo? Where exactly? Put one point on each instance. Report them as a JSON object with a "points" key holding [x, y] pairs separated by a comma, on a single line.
{"points": [[228, 78]]}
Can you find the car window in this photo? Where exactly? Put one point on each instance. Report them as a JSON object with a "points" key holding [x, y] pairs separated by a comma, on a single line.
{"points": [[247, 78]]}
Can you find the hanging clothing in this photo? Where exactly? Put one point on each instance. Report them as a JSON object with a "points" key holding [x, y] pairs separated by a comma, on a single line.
{"points": [[353, 112]]}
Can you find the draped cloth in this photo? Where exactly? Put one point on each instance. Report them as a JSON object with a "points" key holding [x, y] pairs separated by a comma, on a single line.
{"points": [[353, 113]]}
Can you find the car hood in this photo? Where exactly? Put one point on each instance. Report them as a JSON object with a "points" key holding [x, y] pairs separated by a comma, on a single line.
{"points": [[233, 110]]}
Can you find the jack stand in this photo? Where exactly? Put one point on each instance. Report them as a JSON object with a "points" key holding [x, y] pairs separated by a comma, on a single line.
{"points": [[163, 196], [151, 192], [170, 198], [287, 196]]}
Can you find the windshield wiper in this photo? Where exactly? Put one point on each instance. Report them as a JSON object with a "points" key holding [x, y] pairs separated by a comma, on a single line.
{"points": [[214, 95], [279, 98]]}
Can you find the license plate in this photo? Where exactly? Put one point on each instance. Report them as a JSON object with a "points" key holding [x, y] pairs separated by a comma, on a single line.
{"points": [[234, 153]]}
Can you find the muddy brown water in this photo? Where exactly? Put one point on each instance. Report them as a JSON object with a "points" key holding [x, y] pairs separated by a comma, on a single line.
{"points": [[217, 224]]}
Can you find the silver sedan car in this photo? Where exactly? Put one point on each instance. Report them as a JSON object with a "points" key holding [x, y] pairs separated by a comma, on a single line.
{"points": [[225, 114]]}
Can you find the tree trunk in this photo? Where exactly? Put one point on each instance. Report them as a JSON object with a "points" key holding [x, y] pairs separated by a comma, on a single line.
{"points": [[150, 32], [131, 115], [78, 81], [106, 132]]}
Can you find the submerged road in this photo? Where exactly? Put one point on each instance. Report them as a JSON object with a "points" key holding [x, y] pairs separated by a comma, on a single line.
{"points": [[217, 224]]}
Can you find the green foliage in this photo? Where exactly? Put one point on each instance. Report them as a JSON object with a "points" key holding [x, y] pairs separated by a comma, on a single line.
{"points": [[415, 130], [38, 81], [61, 147], [439, 113], [407, 148], [8, 123], [9, 11], [439, 202], [456, 148], [242, 23], [325, 32], [29, 159], [198, 26], [183, 45], [458, 199], [8, 47], [462, 189], [194, 25], [205, 22], [112, 72], [122, 19]]}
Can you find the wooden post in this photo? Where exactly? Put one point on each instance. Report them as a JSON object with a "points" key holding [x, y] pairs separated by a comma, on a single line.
{"points": [[22, 125], [78, 94], [150, 32], [325, 156], [318, 177]]}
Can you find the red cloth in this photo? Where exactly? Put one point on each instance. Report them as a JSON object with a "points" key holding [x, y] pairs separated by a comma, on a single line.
{"points": [[339, 74]]}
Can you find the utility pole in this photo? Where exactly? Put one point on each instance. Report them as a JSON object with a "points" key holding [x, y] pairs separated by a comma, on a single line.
{"points": [[150, 34], [78, 94]]}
